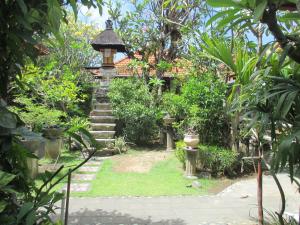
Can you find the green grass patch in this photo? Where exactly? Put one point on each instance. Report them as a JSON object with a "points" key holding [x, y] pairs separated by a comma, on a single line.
{"points": [[164, 179], [68, 159]]}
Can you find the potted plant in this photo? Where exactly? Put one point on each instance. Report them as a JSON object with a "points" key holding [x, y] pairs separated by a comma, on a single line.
{"points": [[191, 137]]}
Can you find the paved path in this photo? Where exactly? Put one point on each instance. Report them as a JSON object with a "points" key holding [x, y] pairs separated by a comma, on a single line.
{"points": [[232, 206], [81, 181]]}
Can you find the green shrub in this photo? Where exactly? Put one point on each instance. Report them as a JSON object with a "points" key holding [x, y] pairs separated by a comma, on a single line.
{"points": [[174, 105], [120, 145], [133, 106], [204, 98], [35, 115], [200, 106], [218, 160], [180, 153]]}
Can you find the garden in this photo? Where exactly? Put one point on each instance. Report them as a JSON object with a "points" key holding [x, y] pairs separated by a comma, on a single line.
{"points": [[171, 98]]}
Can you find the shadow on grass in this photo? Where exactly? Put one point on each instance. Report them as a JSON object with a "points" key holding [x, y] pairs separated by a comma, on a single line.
{"points": [[148, 147], [99, 217]]}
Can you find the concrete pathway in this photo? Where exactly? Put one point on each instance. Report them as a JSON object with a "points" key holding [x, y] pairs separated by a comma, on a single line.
{"points": [[235, 205], [81, 181]]}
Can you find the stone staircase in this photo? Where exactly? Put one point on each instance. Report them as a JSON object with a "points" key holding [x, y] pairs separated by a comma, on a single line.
{"points": [[102, 123]]}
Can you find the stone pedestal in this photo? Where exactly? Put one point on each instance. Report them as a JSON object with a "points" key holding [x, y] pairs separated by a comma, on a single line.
{"points": [[108, 73], [168, 124], [33, 167], [37, 146], [170, 142], [190, 168], [53, 147]]}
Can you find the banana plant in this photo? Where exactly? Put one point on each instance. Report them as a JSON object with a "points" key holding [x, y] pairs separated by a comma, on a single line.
{"points": [[238, 60], [284, 26]]}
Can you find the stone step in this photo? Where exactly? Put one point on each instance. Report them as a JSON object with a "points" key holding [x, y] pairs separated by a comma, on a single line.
{"points": [[105, 141], [101, 113], [103, 134], [102, 119], [79, 187], [103, 126], [102, 106]]}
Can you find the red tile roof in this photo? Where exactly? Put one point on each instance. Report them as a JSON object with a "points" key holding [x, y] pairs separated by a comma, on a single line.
{"points": [[123, 69]]}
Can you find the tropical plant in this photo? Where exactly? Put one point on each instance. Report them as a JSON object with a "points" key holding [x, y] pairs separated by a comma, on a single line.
{"points": [[243, 13], [273, 107], [218, 160], [22, 27], [157, 28], [204, 98], [133, 106], [180, 152], [35, 115], [174, 105], [120, 145]]}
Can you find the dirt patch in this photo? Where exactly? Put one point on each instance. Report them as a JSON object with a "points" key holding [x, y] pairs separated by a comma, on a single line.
{"points": [[140, 163], [225, 182], [221, 185]]}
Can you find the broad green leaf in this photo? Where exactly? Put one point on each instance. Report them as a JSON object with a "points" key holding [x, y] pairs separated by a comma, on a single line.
{"points": [[259, 9], [166, 3], [289, 17], [220, 15], [238, 22], [89, 136], [290, 99], [74, 7], [54, 15], [284, 54], [77, 138], [22, 6], [6, 178], [30, 218], [26, 208], [227, 20], [252, 3], [3, 204], [280, 103]]}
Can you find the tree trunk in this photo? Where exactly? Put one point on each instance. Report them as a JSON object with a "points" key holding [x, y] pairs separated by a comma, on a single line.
{"points": [[259, 38], [260, 189], [4, 80]]}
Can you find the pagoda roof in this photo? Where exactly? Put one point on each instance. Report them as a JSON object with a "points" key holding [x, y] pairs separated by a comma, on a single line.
{"points": [[108, 39]]}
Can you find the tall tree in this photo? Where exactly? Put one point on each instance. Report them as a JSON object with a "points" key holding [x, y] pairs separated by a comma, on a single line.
{"points": [[23, 24], [158, 28]]}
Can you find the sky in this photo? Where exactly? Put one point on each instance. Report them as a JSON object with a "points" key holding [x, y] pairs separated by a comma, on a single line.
{"points": [[91, 16]]}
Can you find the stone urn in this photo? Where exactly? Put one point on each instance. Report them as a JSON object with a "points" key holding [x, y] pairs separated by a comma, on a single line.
{"points": [[37, 146], [168, 120], [53, 132], [191, 140]]}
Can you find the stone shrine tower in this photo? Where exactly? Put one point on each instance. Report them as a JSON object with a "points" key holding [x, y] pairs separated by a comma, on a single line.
{"points": [[102, 120]]}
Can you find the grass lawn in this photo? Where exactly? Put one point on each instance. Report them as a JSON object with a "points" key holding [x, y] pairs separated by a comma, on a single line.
{"points": [[164, 178]]}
